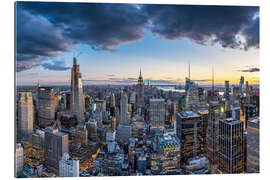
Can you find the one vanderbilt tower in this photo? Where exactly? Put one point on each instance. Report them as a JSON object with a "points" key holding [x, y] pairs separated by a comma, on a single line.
{"points": [[76, 92]]}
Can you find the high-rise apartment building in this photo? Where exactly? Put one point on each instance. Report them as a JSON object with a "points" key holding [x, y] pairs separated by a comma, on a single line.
{"points": [[56, 144], [157, 114], [77, 99], [25, 116], [46, 106], [189, 131], [231, 146], [68, 167]]}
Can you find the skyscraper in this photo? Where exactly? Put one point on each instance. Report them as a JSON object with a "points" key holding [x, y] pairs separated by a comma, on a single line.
{"points": [[212, 133], [46, 106], [204, 116], [68, 167], [56, 144], [231, 146], [227, 91], [169, 148], [189, 131], [76, 105], [25, 116], [140, 91], [241, 86], [124, 129], [124, 118], [157, 114], [18, 160]]}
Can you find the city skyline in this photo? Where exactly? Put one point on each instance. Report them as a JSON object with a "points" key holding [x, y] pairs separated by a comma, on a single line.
{"points": [[123, 48]]}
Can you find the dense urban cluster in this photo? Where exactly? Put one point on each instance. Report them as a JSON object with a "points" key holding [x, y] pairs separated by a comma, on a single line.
{"points": [[141, 129]]}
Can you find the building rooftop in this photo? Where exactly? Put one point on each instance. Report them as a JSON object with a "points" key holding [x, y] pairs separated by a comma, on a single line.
{"points": [[168, 140], [156, 100], [203, 111], [231, 121], [188, 114]]}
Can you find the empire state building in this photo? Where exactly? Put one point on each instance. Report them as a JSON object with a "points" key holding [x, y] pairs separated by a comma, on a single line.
{"points": [[140, 91], [76, 92]]}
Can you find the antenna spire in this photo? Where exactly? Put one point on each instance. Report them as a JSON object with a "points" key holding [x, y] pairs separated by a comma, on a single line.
{"points": [[213, 79], [189, 70]]}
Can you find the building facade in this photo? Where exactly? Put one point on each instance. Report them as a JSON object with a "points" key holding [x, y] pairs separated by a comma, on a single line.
{"points": [[56, 144], [77, 99], [157, 114], [212, 133], [140, 91], [231, 146], [25, 116], [18, 160], [68, 167], [189, 130], [46, 106]]}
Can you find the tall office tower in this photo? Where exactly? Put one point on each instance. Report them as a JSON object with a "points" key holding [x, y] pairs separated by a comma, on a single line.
{"points": [[169, 148], [46, 106], [157, 114], [101, 95], [56, 144], [192, 97], [253, 146], [81, 135], [68, 167], [76, 103], [132, 98], [140, 91], [18, 160], [236, 112], [38, 139], [124, 119], [110, 141], [204, 116], [112, 100], [123, 133], [227, 91], [241, 86], [247, 93], [25, 116], [92, 129], [189, 130], [231, 146], [236, 92], [212, 133], [137, 126]]}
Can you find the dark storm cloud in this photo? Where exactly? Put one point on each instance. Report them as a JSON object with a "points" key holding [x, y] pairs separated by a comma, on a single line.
{"points": [[46, 30], [251, 34], [55, 66], [253, 69], [205, 24], [102, 26]]}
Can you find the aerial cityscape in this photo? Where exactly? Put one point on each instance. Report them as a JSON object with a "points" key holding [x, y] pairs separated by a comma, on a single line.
{"points": [[136, 89]]}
